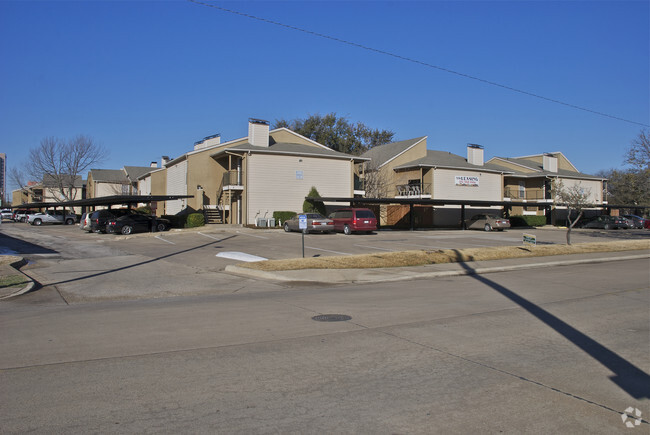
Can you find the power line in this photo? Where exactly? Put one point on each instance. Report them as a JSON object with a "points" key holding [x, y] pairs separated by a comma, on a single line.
{"points": [[419, 62]]}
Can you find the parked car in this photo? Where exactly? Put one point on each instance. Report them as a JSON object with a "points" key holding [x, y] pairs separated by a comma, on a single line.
{"points": [[99, 218], [637, 221], [315, 222], [487, 222], [133, 223], [606, 222], [51, 217], [20, 214], [349, 220], [7, 213], [84, 222]]}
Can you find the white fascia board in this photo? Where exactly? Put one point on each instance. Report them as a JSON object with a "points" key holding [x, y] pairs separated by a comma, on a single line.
{"points": [[493, 171], [397, 155], [292, 153]]}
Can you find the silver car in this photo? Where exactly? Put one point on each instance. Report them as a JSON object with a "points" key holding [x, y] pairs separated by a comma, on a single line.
{"points": [[487, 222], [315, 222], [51, 217]]}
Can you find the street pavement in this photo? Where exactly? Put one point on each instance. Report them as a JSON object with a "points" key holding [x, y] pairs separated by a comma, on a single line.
{"points": [[156, 334], [554, 350]]}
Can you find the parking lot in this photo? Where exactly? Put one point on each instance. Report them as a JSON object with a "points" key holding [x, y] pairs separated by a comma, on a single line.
{"points": [[214, 247]]}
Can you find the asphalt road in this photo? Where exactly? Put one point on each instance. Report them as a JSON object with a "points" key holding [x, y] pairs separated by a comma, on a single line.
{"points": [[560, 350]]}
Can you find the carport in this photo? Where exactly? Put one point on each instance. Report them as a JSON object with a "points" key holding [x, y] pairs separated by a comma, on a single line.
{"points": [[411, 202], [104, 201]]}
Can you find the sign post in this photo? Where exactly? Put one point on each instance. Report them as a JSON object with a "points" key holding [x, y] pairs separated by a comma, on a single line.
{"points": [[302, 226]]}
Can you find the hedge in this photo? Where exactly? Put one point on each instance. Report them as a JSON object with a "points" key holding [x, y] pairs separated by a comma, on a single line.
{"points": [[283, 216], [195, 220], [527, 221]]}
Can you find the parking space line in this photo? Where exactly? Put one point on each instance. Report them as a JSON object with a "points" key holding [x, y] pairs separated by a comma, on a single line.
{"points": [[374, 247], [160, 238], [209, 236], [327, 250], [252, 235]]}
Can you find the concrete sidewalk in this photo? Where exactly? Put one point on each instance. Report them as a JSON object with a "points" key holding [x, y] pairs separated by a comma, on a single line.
{"points": [[343, 276]]}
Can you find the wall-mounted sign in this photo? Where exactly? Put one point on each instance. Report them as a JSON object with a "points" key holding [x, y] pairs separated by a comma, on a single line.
{"points": [[462, 180], [299, 175]]}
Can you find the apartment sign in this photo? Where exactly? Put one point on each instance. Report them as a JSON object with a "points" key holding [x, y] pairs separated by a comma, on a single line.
{"points": [[462, 180]]}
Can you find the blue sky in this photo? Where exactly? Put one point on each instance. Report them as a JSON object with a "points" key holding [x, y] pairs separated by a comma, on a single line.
{"points": [[149, 78]]}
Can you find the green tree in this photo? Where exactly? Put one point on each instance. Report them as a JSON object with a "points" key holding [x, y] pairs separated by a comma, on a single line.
{"points": [[314, 206], [338, 133]]}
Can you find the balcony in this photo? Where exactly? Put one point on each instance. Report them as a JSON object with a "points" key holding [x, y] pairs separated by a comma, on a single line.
{"points": [[532, 195], [413, 190], [232, 180]]}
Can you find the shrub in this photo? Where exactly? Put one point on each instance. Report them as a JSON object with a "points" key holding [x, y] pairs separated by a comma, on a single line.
{"points": [[316, 206], [527, 221], [195, 220], [283, 216]]}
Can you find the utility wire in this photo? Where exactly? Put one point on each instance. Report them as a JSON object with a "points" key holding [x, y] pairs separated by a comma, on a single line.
{"points": [[419, 62]]}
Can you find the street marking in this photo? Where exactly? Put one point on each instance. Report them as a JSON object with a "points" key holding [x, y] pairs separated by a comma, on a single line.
{"points": [[374, 247], [241, 256], [160, 238], [252, 235], [212, 237], [327, 250]]}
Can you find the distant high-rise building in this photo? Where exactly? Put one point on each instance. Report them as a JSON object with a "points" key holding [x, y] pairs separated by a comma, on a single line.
{"points": [[3, 177]]}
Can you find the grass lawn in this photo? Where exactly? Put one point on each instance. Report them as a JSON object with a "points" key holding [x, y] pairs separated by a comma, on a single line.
{"points": [[419, 258]]}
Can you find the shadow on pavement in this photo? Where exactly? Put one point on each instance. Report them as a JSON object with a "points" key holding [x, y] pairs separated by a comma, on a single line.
{"points": [[13, 246], [142, 263], [627, 376]]}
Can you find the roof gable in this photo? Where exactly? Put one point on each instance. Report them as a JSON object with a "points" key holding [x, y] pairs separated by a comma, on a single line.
{"points": [[383, 154]]}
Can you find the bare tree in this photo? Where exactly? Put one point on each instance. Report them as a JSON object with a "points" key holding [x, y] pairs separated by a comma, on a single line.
{"points": [[63, 162], [376, 182], [576, 199], [638, 155]]}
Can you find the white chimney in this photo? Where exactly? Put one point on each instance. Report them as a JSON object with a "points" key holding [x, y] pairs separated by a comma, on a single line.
{"points": [[165, 160], [208, 141], [258, 132], [153, 165], [550, 163], [475, 154]]}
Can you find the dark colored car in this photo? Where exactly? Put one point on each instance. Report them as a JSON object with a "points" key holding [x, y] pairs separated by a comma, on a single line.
{"points": [[606, 222], [349, 220], [637, 221], [315, 222], [134, 223], [99, 218]]}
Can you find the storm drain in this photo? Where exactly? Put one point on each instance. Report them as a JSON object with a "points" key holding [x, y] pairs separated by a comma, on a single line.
{"points": [[331, 318]]}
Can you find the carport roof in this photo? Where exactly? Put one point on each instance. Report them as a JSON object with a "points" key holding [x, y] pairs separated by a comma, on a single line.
{"points": [[104, 200]]}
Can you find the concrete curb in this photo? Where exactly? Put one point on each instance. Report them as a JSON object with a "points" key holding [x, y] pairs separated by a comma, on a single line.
{"points": [[348, 276], [19, 262]]}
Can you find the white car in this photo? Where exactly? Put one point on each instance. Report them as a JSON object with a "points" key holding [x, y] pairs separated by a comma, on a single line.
{"points": [[51, 217], [7, 213]]}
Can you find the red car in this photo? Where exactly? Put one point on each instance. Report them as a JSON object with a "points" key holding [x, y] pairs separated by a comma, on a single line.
{"points": [[349, 220]]}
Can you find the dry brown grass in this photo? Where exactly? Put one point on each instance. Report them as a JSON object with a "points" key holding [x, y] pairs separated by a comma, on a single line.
{"points": [[419, 258]]}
